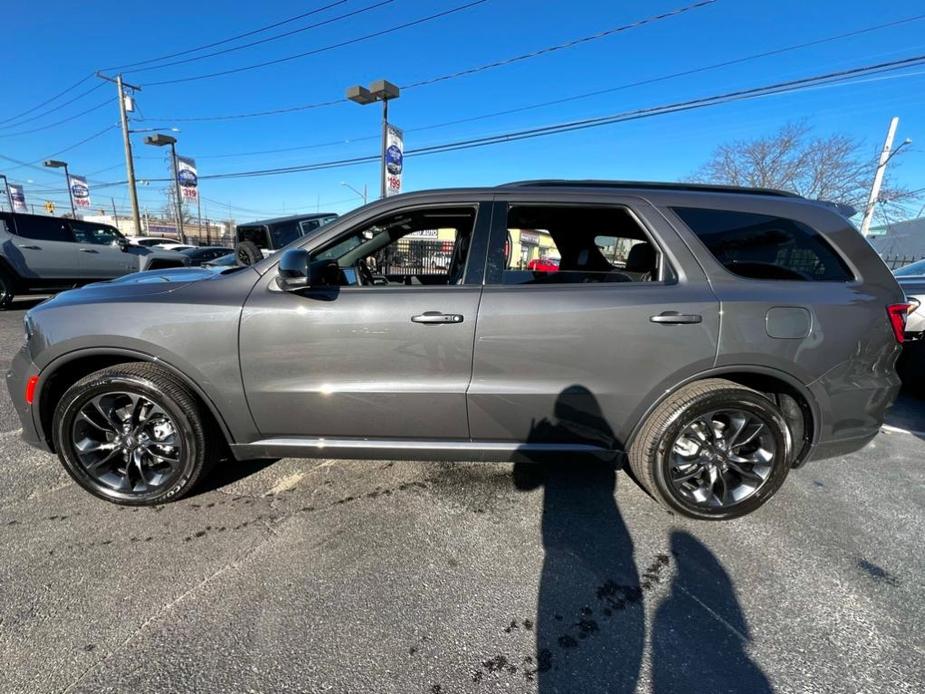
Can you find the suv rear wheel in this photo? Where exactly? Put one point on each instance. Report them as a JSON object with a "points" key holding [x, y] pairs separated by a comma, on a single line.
{"points": [[6, 289], [712, 451], [132, 434]]}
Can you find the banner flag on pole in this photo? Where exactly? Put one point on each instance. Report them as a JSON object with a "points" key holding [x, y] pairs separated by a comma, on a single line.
{"points": [[19, 198], [80, 191], [188, 178], [394, 160]]}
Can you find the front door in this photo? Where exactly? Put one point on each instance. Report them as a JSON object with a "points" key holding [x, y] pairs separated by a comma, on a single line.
{"points": [[99, 255], [385, 355], [588, 309]]}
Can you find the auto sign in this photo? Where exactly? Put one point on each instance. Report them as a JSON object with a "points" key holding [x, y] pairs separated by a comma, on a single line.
{"points": [[187, 178], [393, 160]]}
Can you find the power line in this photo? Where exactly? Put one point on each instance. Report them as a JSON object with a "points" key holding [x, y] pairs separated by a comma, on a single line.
{"points": [[53, 110], [60, 122], [840, 76], [568, 99], [32, 165], [316, 51], [204, 47], [461, 73], [47, 101], [347, 15]]}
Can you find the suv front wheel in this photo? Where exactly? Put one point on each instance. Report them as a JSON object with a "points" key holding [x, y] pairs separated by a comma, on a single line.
{"points": [[132, 434], [714, 450]]}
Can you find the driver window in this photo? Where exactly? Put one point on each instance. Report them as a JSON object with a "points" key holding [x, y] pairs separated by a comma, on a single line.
{"points": [[96, 235], [422, 247]]}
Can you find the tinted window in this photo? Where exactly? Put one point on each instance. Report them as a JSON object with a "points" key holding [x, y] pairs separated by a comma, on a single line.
{"points": [[98, 234], [284, 233], [43, 228], [256, 235], [764, 247], [569, 244]]}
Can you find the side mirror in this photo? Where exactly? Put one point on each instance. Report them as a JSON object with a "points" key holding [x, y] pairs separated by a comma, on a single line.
{"points": [[297, 271], [122, 243]]}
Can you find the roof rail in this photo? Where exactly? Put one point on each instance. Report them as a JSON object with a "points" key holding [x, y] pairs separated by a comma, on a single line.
{"points": [[648, 185]]}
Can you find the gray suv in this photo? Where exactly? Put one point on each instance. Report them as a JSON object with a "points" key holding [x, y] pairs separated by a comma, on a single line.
{"points": [[40, 254], [713, 337]]}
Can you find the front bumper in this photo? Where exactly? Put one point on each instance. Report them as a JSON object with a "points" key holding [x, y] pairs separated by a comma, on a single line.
{"points": [[21, 370]]}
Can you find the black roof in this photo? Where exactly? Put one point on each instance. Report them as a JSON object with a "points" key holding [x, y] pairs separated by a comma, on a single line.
{"points": [[290, 218], [648, 185]]}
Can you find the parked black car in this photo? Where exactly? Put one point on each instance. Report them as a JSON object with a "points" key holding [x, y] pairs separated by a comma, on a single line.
{"points": [[257, 240], [205, 254]]}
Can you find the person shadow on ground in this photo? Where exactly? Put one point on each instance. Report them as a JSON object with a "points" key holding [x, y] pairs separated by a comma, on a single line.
{"points": [[590, 626], [699, 633]]}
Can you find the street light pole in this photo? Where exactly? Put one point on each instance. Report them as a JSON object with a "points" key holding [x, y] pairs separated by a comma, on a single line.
{"points": [[160, 140], [363, 195], [885, 157], [384, 91], [9, 195], [55, 164], [177, 192]]}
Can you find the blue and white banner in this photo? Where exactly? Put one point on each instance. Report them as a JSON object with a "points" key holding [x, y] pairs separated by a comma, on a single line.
{"points": [[18, 197], [394, 160], [188, 178], [80, 191]]}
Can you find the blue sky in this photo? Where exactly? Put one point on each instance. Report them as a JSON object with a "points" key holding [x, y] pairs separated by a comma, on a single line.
{"points": [[66, 41]]}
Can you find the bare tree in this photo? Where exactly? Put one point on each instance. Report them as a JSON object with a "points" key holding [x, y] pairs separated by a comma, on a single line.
{"points": [[837, 168]]}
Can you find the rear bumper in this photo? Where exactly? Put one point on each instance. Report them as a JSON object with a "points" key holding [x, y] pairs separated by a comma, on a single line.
{"points": [[21, 370]]}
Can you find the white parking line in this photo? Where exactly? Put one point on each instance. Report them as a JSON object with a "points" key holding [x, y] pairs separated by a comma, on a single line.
{"points": [[10, 433], [887, 428]]}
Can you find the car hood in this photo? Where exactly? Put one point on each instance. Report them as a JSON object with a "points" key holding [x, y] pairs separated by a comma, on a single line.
{"points": [[135, 285]]}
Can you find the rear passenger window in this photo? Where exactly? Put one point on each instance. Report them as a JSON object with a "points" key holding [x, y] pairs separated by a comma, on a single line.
{"points": [[548, 244], [43, 228], [764, 247]]}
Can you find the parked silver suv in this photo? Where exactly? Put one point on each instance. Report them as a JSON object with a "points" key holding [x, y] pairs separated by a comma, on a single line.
{"points": [[713, 337], [40, 254]]}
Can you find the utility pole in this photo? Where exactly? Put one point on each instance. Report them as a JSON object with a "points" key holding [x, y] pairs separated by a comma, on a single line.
{"points": [[114, 215], [129, 161], [885, 157]]}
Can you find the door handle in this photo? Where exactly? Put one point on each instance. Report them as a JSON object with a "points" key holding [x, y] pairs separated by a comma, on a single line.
{"points": [[88, 250], [437, 318], [675, 318], [29, 247]]}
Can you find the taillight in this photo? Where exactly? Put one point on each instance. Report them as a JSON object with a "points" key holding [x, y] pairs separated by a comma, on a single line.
{"points": [[898, 313], [30, 389]]}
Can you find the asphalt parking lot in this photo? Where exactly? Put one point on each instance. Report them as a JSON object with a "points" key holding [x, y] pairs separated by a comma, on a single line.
{"points": [[320, 575]]}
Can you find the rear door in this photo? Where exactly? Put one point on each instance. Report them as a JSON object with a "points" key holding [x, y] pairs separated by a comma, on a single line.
{"points": [[571, 353], [42, 248]]}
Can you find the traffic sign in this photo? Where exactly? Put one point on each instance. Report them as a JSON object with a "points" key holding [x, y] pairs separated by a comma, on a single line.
{"points": [[49, 207]]}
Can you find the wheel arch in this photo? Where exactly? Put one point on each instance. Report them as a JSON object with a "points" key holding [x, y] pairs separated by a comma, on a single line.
{"points": [[796, 401], [69, 368]]}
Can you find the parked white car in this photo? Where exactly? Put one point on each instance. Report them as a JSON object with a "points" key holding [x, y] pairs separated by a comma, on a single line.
{"points": [[148, 241], [174, 246]]}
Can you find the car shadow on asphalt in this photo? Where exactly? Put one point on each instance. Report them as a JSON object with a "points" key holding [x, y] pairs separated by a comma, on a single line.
{"points": [[227, 471], [591, 624]]}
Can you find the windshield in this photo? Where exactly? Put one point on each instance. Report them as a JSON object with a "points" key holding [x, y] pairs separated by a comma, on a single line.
{"points": [[915, 269]]}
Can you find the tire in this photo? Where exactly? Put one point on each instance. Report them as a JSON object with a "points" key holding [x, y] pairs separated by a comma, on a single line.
{"points": [[682, 454], [247, 253], [140, 470], [7, 289]]}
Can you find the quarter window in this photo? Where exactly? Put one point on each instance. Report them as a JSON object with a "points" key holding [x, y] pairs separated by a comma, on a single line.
{"points": [[548, 244], [765, 247]]}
